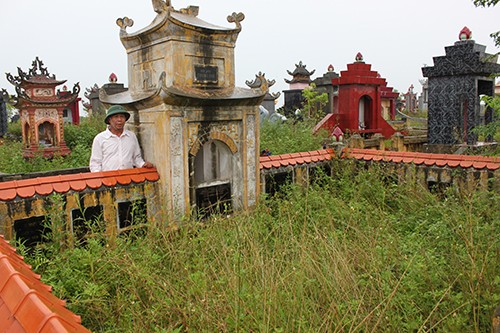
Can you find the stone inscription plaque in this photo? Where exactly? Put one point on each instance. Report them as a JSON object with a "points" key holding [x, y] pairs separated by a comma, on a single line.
{"points": [[206, 74]]}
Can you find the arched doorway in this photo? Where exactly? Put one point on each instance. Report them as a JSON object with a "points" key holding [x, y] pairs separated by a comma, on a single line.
{"points": [[212, 179], [365, 113]]}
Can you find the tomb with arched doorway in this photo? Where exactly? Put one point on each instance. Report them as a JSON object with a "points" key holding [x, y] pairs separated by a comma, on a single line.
{"points": [[193, 123], [361, 92]]}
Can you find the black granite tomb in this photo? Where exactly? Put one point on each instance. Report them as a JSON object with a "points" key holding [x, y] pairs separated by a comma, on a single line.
{"points": [[456, 83]]}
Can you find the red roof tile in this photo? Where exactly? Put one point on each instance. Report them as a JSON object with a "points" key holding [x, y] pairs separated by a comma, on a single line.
{"points": [[27, 188], [26, 191], [78, 185], [152, 176], [94, 183], [61, 187], [266, 165], [123, 180], [277, 161], [466, 164], [26, 304], [137, 178], [8, 194], [44, 189], [109, 181], [441, 160]]}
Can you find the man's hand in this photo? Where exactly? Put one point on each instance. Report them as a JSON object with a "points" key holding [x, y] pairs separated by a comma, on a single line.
{"points": [[148, 165]]}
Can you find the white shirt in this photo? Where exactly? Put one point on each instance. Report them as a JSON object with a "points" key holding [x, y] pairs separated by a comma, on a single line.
{"points": [[112, 152]]}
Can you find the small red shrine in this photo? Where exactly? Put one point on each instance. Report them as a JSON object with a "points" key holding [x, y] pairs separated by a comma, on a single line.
{"points": [[360, 95], [41, 110]]}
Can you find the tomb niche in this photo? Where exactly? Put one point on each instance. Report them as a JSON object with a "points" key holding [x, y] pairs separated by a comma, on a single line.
{"points": [[193, 123], [41, 110], [456, 83]]}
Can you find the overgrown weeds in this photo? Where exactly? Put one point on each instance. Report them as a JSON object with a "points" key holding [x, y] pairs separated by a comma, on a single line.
{"points": [[290, 137], [352, 253]]}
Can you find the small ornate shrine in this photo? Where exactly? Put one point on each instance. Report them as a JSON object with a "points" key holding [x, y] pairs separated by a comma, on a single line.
{"points": [[455, 85], [41, 110]]}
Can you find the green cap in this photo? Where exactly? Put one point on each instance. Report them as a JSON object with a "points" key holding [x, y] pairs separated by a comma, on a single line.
{"points": [[116, 109]]}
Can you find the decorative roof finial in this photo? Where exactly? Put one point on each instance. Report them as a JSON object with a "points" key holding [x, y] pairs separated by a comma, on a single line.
{"points": [[124, 23], [465, 34], [330, 68], [337, 134], [260, 82], [161, 6], [113, 78], [236, 18], [359, 57]]}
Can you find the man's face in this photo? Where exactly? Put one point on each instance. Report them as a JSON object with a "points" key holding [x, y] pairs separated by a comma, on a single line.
{"points": [[117, 122]]}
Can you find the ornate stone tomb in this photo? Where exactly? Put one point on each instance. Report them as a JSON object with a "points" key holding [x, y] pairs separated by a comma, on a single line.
{"points": [[455, 84], [199, 129]]}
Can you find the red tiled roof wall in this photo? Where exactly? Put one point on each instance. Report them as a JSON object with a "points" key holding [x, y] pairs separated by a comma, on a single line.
{"points": [[27, 188], [284, 160], [440, 160], [26, 304]]}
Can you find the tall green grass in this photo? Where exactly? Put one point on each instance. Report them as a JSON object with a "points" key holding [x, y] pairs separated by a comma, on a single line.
{"points": [[290, 137], [352, 253]]}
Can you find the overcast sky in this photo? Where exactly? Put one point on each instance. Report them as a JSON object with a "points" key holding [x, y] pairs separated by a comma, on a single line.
{"points": [[79, 40]]}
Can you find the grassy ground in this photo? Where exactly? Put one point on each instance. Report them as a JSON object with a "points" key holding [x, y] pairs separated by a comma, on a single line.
{"points": [[353, 253]]}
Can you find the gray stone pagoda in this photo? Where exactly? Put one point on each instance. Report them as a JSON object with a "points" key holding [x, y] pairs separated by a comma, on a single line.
{"points": [[324, 85], [455, 85]]}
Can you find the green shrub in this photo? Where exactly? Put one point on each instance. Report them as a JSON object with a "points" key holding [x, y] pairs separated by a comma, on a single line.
{"points": [[290, 137], [84, 133]]}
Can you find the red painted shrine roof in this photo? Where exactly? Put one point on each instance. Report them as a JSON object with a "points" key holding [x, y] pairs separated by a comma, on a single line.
{"points": [[26, 304], [27, 188], [36, 75], [359, 73], [440, 160], [42, 80]]}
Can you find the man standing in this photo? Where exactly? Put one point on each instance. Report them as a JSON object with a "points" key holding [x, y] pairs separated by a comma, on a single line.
{"points": [[116, 148]]}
